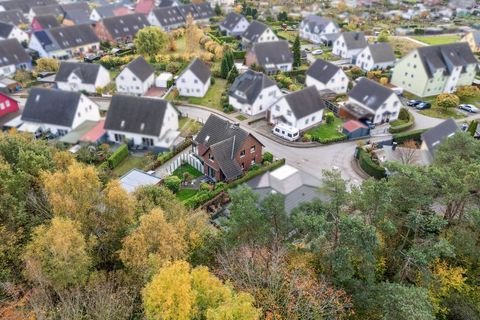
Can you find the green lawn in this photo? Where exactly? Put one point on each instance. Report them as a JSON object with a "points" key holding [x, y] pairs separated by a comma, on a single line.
{"points": [[188, 127], [184, 194], [187, 168], [442, 113], [288, 35], [440, 39], [213, 97], [128, 164], [397, 123], [241, 117], [327, 131]]}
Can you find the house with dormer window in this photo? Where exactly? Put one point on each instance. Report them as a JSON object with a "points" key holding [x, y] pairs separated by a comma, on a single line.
{"points": [[136, 78], [349, 44], [272, 57], [121, 28], [318, 29], [75, 76]]}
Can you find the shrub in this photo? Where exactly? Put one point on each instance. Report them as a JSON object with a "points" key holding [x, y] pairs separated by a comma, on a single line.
{"points": [[172, 183], [173, 67], [405, 116], [164, 157], [204, 186], [267, 157], [212, 81], [329, 140], [447, 100], [118, 156], [329, 118], [239, 55], [369, 166], [467, 92], [411, 135]]}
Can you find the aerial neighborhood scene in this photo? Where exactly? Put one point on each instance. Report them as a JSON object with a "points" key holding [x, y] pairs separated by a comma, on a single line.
{"points": [[240, 159]]}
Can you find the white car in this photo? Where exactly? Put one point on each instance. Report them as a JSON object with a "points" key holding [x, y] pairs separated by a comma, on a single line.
{"points": [[468, 107], [317, 52]]}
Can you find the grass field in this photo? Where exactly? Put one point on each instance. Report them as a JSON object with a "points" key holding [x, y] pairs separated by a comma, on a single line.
{"points": [[442, 113], [213, 97], [440, 39], [184, 194], [187, 168], [325, 131], [188, 127], [128, 164]]}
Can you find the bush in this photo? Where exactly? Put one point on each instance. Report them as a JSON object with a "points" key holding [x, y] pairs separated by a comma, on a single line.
{"points": [[447, 100], [329, 140], [405, 116], [118, 156], [173, 67], [411, 135], [467, 92], [172, 183], [239, 55], [369, 166], [267, 157], [204, 186], [329, 118], [165, 156]]}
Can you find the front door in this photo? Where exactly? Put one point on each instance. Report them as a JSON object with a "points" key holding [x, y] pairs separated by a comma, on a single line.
{"points": [[211, 172]]}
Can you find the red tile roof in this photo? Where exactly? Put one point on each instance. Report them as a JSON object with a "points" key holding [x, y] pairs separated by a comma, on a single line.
{"points": [[353, 125], [145, 6]]}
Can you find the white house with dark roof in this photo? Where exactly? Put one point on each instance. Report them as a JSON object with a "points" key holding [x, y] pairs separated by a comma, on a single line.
{"points": [[136, 78], [370, 100], [10, 31], [272, 57], [14, 17], [473, 40], [194, 81], [258, 32], [167, 18], [234, 24], [349, 44], [88, 77], [13, 57], [432, 138], [326, 76], [301, 109], [253, 93], [376, 56], [318, 30], [140, 121], [57, 111]]}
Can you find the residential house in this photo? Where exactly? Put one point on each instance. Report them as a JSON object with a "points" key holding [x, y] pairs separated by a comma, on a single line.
{"points": [[226, 150], [376, 56], [136, 78], [194, 81], [24, 5], [227, 3], [10, 31], [54, 10], [64, 42], [167, 18], [473, 40], [318, 29], [369, 100], [44, 22], [354, 129], [144, 6], [432, 138], [76, 13], [88, 77], [168, 3], [121, 28], [14, 17], [272, 57], [234, 24], [201, 12], [135, 179], [139, 121], [349, 44], [8, 105], [253, 93], [431, 70], [13, 57], [326, 76], [258, 32], [57, 111], [108, 11], [301, 109]]}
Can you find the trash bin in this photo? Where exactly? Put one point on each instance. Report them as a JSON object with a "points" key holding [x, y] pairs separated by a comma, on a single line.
{"points": [[394, 146]]}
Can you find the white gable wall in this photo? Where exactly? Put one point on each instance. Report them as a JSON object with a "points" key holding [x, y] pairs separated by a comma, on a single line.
{"points": [[365, 61], [340, 49], [127, 82], [338, 83], [391, 105], [264, 101], [267, 36], [189, 85], [282, 108]]}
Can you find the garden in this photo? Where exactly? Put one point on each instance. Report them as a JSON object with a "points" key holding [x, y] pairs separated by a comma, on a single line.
{"points": [[438, 39], [327, 132]]}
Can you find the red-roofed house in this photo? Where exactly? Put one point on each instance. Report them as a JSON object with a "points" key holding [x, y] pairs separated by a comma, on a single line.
{"points": [[145, 6], [7, 105], [355, 129]]}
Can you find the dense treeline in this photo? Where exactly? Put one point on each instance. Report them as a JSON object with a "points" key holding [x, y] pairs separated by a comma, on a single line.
{"points": [[75, 245]]}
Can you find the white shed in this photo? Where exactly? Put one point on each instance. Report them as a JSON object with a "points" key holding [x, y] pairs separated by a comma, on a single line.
{"points": [[163, 79]]}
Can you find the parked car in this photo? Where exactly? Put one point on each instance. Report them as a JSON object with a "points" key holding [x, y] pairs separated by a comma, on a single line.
{"points": [[423, 105], [413, 103], [89, 58], [317, 52], [469, 108]]}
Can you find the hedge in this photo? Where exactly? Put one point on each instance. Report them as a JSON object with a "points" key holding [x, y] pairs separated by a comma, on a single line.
{"points": [[118, 156], [329, 140], [405, 126], [410, 135], [369, 166], [238, 55], [214, 38], [164, 157], [252, 174]]}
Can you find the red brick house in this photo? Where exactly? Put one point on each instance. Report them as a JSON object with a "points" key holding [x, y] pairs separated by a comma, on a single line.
{"points": [[7, 105], [226, 150], [120, 28]]}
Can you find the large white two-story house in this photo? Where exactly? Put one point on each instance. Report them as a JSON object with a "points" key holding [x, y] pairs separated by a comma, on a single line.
{"points": [[326, 76], [376, 56], [318, 29], [258, 32], [234, 24], [136, 78], [349, 44], [194, 81], [76, 76], [272, 57]]}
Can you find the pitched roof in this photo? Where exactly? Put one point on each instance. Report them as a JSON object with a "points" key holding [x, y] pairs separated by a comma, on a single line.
{"points": [[370, 93], [78, 16], [203, 11], [254, 31], [47, 22], [316, 21], [199, 69], [224, 154], [322, 70], [305, 102], [109, 10], [353, 125], [231, 20], [139, 115], [25, 5], [12, 52], [66, 37], [354, 40], [135, 179], [87, 72], [381, 52], [51, 106], [125, 26], [167, 3], [54, 9], [437, 134], [144, 6], [140, 68], [5, 29], [273, 52], [250, 84], [15, 17], [168, 16], [445, 56]]}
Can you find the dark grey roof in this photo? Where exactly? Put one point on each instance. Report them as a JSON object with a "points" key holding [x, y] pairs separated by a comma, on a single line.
{"points": [[5, 29], [54, 9], [139, 115], [78, 16], [437, 134], [125, 26], [12, 52], [273, 52], [315, 21], [25, 5], [87, 72], [370, 93], [254, 31], [354, 40], [108, 10], [199, 69], [140, 68], [51, 106], [216, 130], [66, 37], [250, 84], [224, 155], [167, 3], [203, 11], [231, 20], [445, 56], [168, 16], [75, 6], [47, 22], [382, 52], [322, 70], [15, 17], [305, 102]]}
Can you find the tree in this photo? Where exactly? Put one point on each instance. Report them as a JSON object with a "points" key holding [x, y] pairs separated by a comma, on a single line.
{"points": [[192, 35], [383, 36], [297, 58], [172, 183], [472, 128], [47, 65], [282, 16], [405, 302], [218, 9], [447, 100], [151, 40], [224, 68], [57, 255], [232, 75], [467, 92], [407, 152], [329, 118]]}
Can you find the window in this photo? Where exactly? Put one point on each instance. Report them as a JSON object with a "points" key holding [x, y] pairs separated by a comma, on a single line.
{"points": [[148, 142], [252, 149], [253, 162], [210, 157], [260, 96], [183, 80], [61, 132], [134, 78], [79, 114], [119, 137], [306, 121], [313, 118], [195, 81], [242, 153], [2, 106], [289, 113], [277, 108], [395, 104]]}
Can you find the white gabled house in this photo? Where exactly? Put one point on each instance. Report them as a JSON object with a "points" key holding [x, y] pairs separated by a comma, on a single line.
{"points": [[136, 78], [253, 93], [194, 81], [149, 123], [258, 32], [325, 76], [10, 31], [301, 109], [57, 111], [13, 57], [75, 76], [318, 29], [272, 57], [376, 56], [349, 44], [234, 24]]}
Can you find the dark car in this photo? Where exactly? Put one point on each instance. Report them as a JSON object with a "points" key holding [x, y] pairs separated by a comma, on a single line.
{"points": [[413, 103], [89, 58], [423, 105]]}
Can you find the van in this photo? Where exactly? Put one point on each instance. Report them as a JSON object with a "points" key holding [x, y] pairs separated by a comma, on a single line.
{"points": [[286, 132]]}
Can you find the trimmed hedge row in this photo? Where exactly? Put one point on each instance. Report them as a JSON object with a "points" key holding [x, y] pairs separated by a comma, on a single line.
{"points": [[118, 156], [329, 140], [369, 166], [405, 126], [164, 157], [411, 135], [252, 174]]}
